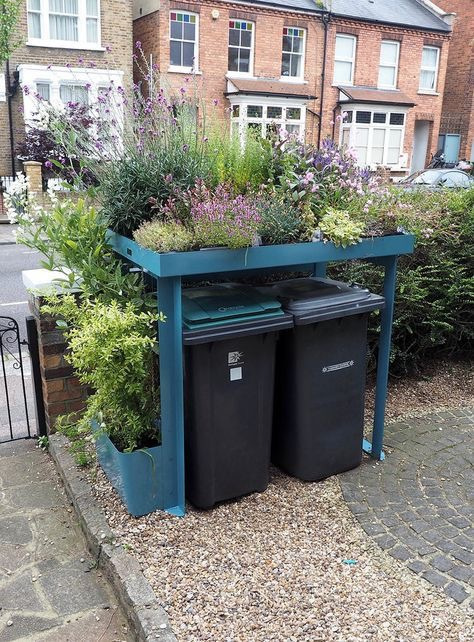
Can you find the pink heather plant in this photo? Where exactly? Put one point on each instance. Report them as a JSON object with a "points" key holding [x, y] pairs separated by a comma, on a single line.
{"points": [[224, 220]]}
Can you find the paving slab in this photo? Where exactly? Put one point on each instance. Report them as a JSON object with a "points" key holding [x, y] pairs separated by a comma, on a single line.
{"points": [[429, 467], [50, 587]]}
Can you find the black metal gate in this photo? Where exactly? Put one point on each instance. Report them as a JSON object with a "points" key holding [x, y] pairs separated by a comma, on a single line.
{"points": [[16, 421]]}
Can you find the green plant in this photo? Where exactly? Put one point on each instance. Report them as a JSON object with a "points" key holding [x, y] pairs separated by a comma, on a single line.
{"points": [[111, 348], [43, 442], [338, 226], [435, 285], [280, 221], [245, 167], [10, 11], [223, 219], [71, 236], [78, 434], [164, 237]]}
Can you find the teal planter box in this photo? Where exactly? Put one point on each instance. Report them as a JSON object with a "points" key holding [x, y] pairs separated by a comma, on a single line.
{"points": [[135, 476]]}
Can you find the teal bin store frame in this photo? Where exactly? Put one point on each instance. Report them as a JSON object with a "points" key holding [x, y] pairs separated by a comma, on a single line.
{"points": [[168, 269]]}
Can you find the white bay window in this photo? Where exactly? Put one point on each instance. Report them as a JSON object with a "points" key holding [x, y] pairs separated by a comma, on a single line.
{"points": [[267, 116], [74, 24], [375, 133], [61, 85]]}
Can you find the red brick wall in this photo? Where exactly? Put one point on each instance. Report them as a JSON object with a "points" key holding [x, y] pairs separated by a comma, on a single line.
{"points": [[116, 32], [458, 101], [62, 392], [369, 36]]}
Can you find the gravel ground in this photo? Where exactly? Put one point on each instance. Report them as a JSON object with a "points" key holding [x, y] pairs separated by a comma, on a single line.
{"points": [[292, 564]]}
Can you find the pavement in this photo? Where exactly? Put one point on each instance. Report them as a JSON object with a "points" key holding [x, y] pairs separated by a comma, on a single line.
{"points": [[50, 588], [7, 236], [418, 503]]}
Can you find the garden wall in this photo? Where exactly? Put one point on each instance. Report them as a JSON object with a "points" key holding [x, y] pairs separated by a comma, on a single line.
{"points": [[62, 392]]}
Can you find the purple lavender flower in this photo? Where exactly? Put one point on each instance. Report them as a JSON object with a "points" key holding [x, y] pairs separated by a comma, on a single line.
{"points": [[48, 164], [138, 45]]}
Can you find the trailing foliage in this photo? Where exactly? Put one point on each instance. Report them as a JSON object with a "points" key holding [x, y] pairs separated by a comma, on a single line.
{"points": [[10, 39], [110, 347], [434, 313]]}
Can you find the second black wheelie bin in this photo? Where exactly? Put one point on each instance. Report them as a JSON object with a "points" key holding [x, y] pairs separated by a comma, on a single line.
{"points": [[230, 334], [321, 377]]}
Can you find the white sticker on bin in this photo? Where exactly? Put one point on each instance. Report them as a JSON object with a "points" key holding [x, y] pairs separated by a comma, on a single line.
{"points": [[235, 374]]}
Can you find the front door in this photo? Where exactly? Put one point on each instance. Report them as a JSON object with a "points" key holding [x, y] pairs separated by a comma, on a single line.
{"points": [[420, 145], [451, 147]]}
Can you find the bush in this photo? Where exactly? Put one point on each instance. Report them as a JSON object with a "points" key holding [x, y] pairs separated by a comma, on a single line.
{"points": [[435, 285], [280, 221], [164, 237], [244, 167], [110, 347]]}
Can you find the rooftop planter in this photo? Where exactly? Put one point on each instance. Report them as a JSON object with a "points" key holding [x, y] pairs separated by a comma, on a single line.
{"points": [[220, 260]]}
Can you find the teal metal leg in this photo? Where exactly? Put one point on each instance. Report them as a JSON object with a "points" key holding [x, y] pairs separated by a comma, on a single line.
{"points": [[319, 270], [171, 389], [383, 361]]}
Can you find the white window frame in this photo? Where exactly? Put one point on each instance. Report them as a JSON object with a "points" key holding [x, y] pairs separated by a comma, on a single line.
{"points": [[80, 43], [303, 57], [179, 68], [379, 109], [249, 73], [394, 66], [3, 88], [242, 121], [345, 59], [55, 76], [427, 90]]}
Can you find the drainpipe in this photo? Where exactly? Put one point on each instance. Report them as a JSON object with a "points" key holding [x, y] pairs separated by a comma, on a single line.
{"points": [[334, 121], [11, 90], [326, 19]]}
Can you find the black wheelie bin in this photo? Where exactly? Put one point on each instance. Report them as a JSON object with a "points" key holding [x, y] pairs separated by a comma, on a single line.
{"points": [[229, 334], [321, 376]]}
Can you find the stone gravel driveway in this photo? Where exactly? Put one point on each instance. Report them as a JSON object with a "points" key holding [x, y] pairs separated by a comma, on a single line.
{"points": [[418, 504]]}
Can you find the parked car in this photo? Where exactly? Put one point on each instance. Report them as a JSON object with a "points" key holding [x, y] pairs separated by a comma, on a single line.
{"points": [[433, 179]]}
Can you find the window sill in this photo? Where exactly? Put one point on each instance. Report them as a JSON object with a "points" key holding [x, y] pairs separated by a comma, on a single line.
{"points": [[54, 44], [340, 84], [427, 92], [184, 70], [299, 81], [239, 74]]}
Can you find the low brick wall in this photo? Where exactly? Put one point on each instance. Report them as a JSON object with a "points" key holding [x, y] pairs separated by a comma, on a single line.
{"points": [[62, 392]]}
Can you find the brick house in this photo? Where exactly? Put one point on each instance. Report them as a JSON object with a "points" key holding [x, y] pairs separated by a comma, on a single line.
{"points": [[68, 45], [457, 118], [298, 64]]}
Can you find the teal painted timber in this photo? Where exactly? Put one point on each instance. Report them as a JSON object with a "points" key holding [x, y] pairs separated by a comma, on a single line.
{"points": [[135, 476], [267, 256]]}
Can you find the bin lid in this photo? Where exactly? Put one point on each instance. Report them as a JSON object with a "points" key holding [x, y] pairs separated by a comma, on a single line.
{"points": [[317, 299], [227, 304], [299, 295]]}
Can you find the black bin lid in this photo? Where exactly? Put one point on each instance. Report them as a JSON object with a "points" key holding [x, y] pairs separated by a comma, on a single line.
{"points": [[317, 299]]}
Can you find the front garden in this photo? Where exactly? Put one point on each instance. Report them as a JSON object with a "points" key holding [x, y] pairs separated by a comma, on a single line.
{"points": [[156, 169]]}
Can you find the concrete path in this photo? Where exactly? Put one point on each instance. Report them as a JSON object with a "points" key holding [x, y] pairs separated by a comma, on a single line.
{"points": [[7, 236], [419, 503], [49, 587]]}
